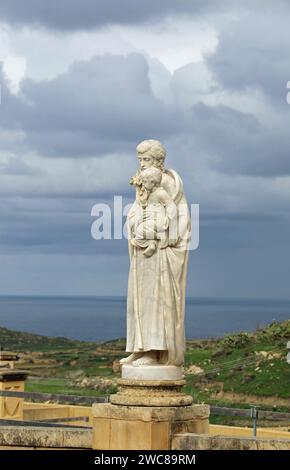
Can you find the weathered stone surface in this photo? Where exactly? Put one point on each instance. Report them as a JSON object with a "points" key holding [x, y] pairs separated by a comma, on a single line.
{"points": [[12, 375], [144, 427], [180, 413], [141, 400], [188, 441], [11, 380], [45, 437], [151, 383], [7, 359], [151, 393]]}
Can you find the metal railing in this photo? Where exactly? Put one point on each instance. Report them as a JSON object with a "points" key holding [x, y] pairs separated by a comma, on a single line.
{"points": [[251, 413], [55, 398]]}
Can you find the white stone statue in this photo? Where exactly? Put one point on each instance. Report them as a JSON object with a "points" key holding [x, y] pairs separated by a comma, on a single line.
{"points": [[159, 235]]}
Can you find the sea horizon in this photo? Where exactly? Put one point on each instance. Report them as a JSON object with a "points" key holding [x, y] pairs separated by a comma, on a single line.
{"points": [[221, 298]]}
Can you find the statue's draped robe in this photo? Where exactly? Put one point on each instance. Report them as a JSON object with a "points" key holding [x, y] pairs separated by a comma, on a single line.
{"points": [[156, 289]]}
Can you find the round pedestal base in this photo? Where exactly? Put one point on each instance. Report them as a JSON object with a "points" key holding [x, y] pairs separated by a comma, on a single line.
{"points": [[150, 393]]}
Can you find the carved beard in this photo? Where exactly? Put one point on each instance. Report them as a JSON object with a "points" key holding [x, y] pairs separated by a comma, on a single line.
{"points": [[141, 192]]}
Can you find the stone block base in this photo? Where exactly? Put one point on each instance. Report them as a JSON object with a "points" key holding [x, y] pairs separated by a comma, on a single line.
{"points": [[117, 427], [11, 380]]}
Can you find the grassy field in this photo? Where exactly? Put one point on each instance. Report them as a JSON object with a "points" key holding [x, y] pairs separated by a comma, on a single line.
{"points": [[235, 370]]}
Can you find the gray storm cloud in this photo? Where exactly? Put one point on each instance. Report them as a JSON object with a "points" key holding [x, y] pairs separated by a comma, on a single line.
{"points": [[87, 14], [98, 106], [69, 141], [248, 57]]}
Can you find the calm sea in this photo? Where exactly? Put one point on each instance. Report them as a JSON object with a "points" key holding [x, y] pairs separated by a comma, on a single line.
{"points": [[104, 318]]}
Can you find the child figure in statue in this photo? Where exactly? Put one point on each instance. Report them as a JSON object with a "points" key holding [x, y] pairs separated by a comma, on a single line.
{"points": [[158, 208]]}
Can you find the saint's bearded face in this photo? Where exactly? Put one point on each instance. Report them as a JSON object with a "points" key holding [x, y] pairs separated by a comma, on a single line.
{"points": [[146, 160]]}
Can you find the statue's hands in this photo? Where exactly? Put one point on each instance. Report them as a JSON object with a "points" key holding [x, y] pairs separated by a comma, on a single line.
{"points": [[173, 242], [166, 243]]}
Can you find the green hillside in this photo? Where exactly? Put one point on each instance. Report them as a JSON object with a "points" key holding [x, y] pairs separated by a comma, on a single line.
{"points": [[20, 341], [245, 363], [238, 369]]}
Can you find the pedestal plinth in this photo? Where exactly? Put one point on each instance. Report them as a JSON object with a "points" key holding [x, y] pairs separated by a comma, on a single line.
{"points": [[145, 414], [117, 427], [154, 372], [11, 380], [150, 393]]}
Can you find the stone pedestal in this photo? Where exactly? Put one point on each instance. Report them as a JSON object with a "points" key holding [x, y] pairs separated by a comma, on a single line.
{"points": [[11, 380], [8, 359], [117, 427], [150, 393], [145, 414], [155, 372]]}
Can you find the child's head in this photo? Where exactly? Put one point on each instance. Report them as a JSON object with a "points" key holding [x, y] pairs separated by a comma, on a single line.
{"points": [[151, 177]]}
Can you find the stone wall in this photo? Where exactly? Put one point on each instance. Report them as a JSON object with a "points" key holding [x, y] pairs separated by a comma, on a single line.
{"points": [[50, 438], [25, 437], [191, 441]]}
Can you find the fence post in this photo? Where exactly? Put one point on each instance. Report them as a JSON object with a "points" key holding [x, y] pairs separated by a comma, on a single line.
{"points": [[254, 416]]}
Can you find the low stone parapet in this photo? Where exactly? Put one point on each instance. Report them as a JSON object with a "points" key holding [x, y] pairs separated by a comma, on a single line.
{"points": [[189, 441], [29, 437]]}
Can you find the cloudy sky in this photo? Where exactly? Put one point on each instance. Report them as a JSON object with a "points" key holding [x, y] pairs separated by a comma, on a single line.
{"points": [[83, 81]]}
